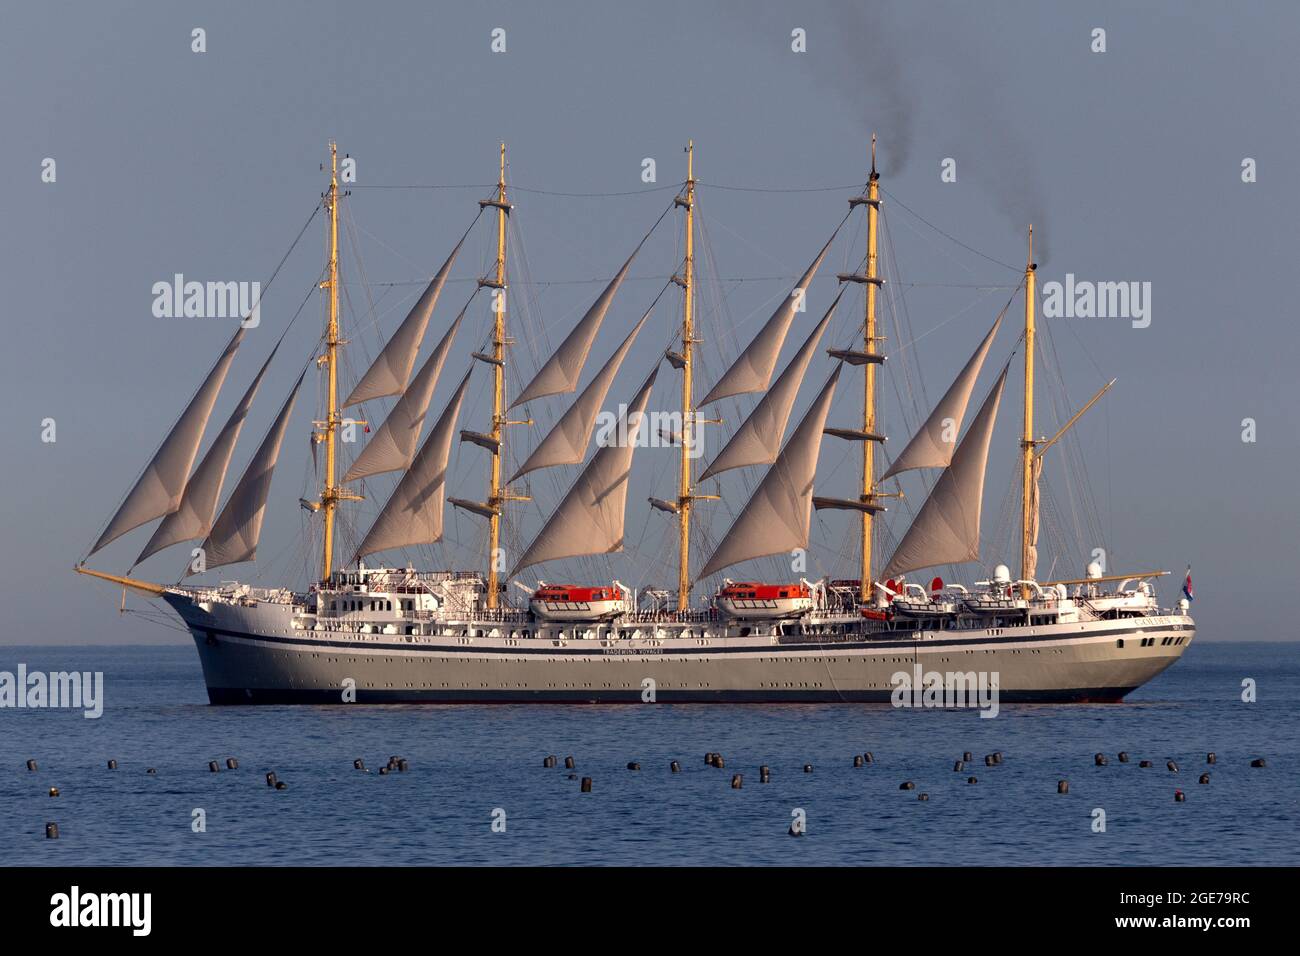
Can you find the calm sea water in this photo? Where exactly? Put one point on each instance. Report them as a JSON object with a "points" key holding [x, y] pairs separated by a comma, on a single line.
{"points": [[467, 761]]}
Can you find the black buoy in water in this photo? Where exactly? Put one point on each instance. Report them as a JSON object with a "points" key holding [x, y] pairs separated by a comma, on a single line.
{"points": [[549, 761], [958, 767], [54, 791], [1099, 760], [1062, 786], [1173, 767], [923, 796], [1211, 757], [719, 762], [708, 758], [869, 757], [358, 764], [764, 774], [151, 770], [1205, 778], [1123, 756], [858, 761], [51, 831], [736, 781], [31, 765], [586, 785], [988, 760], [270, 779], [675, 767], [1144, 763], [633, 765], [212, 767], [112, 765], [403, 766], [383, 771], [1179, 796], [1257, 762], [907, 785], [997, 757], [281, 785], [972, 780], [967, 756], [568, 763], [232, 763], [807, 768]]}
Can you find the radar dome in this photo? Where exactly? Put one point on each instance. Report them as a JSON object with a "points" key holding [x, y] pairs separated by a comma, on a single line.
{"points": [[1002, 574], [1094, 570]]}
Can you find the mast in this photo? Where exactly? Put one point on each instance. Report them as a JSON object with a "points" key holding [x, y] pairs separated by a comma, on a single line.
{"points": [[331, 494], [687, 282], [869, 378], [1027, 442]]}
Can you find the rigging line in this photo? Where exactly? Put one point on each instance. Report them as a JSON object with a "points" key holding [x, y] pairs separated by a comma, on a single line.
{"points": [[947, 236], [780, 189], [516, 188]]}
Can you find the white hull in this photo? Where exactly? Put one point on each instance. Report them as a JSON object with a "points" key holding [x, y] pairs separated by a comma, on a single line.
{"points": [[253, 652]]}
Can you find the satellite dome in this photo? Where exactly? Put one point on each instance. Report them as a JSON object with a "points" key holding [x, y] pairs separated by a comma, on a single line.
{"points": [[1094, 570], [1002, 574]]}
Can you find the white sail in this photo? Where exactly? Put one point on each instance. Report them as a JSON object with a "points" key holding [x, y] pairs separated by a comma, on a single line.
{"points": [[777, 518], [393, 446], [590, 518], [234, 534], [389, 372], [566, 443], [193, 519], [758, 439], [158, 491], [933, 444], [562, 370], [753, 368], [413, 515], [947, 528]]}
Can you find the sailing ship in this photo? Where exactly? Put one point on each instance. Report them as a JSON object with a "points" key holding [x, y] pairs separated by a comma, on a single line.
{"points": [[394, 633]]}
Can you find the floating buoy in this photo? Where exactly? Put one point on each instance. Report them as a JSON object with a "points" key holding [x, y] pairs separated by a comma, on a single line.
{"points": [[807, 768], [281, 785], [997, 756], [1211, 757], [1257, 762], [764, 774], [586, 785], [51, 831], [708, 758], [868, 757], [358, 764], [972, 780], [858, 761], [1179, 796], [633, 766], [907, 785], [1123, 756], [967, 756], [1173, 767], [54, 791], [31, 765], [232, 763], [383, 771], [546, 761], [568, 763], [736, 781], [403, 766], [719, 762], [212, 767], [1144, 763], [988, 760], [151, 770], [270, 779], [1099, 760], [1062, 786], [112, 765], [675, 767], [923, 796], [1205, 778], [958, 767]]}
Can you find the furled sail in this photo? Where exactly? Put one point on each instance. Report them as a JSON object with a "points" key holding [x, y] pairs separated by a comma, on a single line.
{"points": [[758, 439], [234, 534], [1031, 554], [753, 368], [947, 528], [193, 519], [393, 445], [566, 443], [158, 491], [391, 369], [777, 518], [590, 518], [562, 370], [413, 515], [933, 444]]}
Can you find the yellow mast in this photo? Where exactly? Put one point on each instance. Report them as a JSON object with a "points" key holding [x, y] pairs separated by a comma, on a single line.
{"points": [[330, 495], [495, 491], [689, 436], [869, 378], [1027, 435]]}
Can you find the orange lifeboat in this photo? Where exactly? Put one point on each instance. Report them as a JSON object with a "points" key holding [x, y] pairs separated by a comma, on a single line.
{"points": [[749, 599], [572, 602]]}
